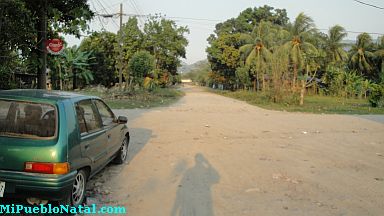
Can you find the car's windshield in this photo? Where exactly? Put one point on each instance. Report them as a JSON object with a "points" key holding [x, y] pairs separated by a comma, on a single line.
{"points": [[27, 119]]}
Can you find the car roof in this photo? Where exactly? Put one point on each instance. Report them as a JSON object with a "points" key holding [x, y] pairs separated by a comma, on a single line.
{"points": [[41, 95]]}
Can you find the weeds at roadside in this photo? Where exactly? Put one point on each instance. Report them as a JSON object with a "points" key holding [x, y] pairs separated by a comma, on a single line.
{"points": [[312, 104], [138, 98]]}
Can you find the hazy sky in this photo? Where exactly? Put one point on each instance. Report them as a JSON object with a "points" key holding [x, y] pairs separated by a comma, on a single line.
{"points": [[326, 13]]}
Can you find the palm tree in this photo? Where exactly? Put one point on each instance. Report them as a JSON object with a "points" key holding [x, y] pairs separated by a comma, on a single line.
{"points": [[334, 46], [361, 55], [379, 54], [255, 53], [297, 46]]}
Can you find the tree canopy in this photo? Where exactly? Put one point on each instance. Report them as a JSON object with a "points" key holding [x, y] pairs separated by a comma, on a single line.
{"points": [[262, 46], [33, 19]]}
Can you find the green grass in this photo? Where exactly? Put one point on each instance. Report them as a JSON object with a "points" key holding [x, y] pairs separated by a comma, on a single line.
{"points": [[312, 103], [137, 98]]}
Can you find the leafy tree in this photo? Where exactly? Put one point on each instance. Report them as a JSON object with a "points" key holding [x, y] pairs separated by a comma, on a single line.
{"points": [[166, 42], [140, 66], [35, 18], [242, 75], [132, 39], [224, 56], [250, 17], [102, 61], [224, 52]]}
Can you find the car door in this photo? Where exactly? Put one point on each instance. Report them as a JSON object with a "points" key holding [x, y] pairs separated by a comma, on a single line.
{"points": [[111, 127], [93, 141]]}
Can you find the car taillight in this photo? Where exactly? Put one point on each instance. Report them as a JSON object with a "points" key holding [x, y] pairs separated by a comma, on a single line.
{"points": [[48, 168]]}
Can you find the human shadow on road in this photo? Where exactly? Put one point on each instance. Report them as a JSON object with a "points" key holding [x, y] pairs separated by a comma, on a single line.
{"points": [[194, 196]]}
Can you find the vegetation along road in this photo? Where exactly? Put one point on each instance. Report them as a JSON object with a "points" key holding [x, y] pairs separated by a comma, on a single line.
{"points": [[212, 155]]}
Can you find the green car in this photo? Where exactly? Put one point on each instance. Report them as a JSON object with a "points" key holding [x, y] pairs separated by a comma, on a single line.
{"points": [[52, 142]]}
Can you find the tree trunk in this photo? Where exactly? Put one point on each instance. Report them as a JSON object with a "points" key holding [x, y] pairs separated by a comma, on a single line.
{"points": [[254, 84], [74, 84], [263, 77], [60, 78], [294, 77], [41, 38], [302, 92]]}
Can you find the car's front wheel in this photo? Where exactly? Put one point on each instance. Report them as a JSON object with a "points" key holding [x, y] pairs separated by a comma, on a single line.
{"points": [[122, 154], [77, 195]]}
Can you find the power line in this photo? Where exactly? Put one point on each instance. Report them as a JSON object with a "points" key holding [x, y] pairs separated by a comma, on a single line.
{"points": [[102, 25], [357, 32], [173, 17], [138, 11], [196, 19], [371, 5], [108, 7], [105, 10], [209, 21]]}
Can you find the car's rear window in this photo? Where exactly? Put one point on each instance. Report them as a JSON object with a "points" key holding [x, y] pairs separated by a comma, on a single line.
{"points": [[18, 118]]}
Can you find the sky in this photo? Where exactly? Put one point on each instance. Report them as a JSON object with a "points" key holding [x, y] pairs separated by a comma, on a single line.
{"points": [[206, 14]]}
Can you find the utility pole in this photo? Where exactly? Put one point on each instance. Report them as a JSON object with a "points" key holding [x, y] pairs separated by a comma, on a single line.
{"points": [[121, 48], [120, 41]]}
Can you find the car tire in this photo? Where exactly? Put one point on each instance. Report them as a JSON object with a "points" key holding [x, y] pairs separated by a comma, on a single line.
{"points": [[122, 154], [77, 195]]}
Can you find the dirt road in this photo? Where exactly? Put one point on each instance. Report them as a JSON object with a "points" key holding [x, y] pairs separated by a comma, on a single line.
{"points": [[211, 155]]}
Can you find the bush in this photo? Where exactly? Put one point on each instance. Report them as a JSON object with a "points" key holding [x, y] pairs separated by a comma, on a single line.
{"points": [[376, 97], [149, 84], [140, 65], [6, 81]]}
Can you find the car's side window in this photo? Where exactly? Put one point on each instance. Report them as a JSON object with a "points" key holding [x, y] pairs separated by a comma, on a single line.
{"points": [[106, 114], [87, 117]]}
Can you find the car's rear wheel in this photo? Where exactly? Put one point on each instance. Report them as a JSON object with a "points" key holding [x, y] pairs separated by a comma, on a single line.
{"points": [[122, 155], [77, 195]]}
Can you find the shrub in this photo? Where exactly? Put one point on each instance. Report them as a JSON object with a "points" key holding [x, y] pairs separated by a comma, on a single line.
{"points": [[376, 97]]}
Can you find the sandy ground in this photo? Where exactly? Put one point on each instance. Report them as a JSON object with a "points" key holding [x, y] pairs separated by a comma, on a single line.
{"points": [[211, 155]]}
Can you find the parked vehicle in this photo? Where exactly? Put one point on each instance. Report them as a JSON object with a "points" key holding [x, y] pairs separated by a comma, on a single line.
{"points": [[52, 142]]}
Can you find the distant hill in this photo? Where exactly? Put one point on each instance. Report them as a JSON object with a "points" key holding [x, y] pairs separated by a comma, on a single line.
{"points": [[198, 72], [185, 68]]}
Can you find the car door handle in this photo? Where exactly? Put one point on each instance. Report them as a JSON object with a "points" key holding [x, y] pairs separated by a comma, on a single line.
{"points": [[86, 146], [109, 136]]}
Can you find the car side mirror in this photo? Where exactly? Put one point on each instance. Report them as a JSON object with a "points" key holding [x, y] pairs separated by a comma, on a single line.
{"points": [[122, 120]]}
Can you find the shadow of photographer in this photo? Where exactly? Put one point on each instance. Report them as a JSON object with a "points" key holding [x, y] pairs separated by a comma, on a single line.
{"points": [[194, 193]]}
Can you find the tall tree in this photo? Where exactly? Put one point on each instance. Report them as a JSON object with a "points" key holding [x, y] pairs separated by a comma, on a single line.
{"points": [[40, 17], [132, 39], [297, 46], [103, 58], [166, 42], [379, 54], [334, 46], [224, 56], [362, 55], [250, 17], [256, 54]]}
